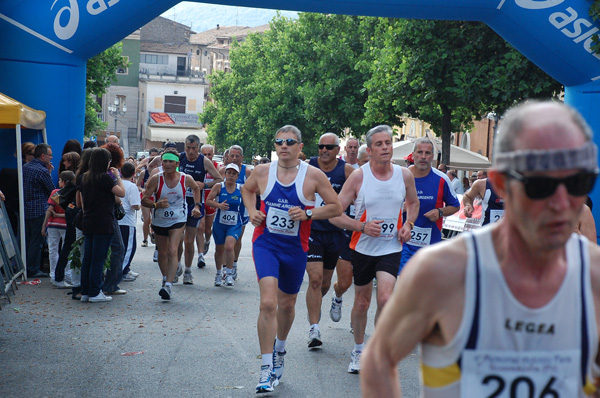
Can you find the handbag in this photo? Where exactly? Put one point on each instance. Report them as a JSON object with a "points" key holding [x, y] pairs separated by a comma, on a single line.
{"points": [[119, 211]]}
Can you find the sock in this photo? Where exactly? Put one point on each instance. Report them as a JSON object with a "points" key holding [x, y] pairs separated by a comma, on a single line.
{"points": [[228, 271], [164, 278], [359, 347], [188, 270], [338, 299], [279, 345], [315, 325], [268, 359], [201, 255], [168, 284], [218, 272], [235, 264]]}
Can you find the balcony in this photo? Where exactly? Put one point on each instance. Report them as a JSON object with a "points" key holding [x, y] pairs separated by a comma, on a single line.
{"points": [[173, 79]]}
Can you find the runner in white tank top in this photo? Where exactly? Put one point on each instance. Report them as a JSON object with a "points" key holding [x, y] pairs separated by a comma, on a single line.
{"points": [[511, 310]]}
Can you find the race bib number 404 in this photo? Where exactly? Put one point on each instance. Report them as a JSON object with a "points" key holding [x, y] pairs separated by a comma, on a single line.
{"points": [[228, 217], [279, 222], [505, 374]]}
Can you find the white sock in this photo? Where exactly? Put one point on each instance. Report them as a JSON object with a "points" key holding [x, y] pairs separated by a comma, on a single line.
{"points": [[218, 272], [338, 299], [315, 325], [359, 347], [235, 264], [268, 359], [279, 345], [168, 284], [164, 278], [228, 271], [188, 269]]}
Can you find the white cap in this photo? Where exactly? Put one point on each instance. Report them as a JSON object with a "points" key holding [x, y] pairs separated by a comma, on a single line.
{"points": [[233, 166]]}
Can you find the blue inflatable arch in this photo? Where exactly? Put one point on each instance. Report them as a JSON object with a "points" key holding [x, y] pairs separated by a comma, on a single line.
{"points": [[44, 45]]}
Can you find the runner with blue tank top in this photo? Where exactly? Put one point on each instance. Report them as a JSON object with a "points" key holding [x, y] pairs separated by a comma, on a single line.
{"points": [[227, 227], [193, 163], [491, 203], [436, 198], [282, 226], [236, 156], [326, 240]]}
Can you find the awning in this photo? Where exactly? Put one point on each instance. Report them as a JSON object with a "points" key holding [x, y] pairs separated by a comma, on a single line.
{"points": [[174, 134], [12, 112], [460, 158]]}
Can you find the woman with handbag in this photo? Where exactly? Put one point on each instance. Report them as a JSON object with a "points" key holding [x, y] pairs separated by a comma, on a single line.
{"points": [[96, 197]]}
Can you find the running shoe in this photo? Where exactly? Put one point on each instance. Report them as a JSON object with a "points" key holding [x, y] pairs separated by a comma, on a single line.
{"points": [[229, 280], [155, 257], [336, 309], [134, 274], [206, 247], [268, 381], [100, 298], [219, 280], [201, 262], [128, 278], [144, 243], [234, 273], [187, 278], [278, 358], [165, 292], [152, 238], [61, 285], [314, 337], [354, 366], [178, 273]]}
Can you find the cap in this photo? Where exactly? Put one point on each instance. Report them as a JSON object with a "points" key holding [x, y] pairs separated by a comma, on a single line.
{"points": [[409, 157], [170, 144], [232, 166]]}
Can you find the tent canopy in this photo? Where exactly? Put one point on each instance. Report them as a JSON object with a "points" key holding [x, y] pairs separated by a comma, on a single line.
{"points": [[12, 112], [175, 134], [460, 158]]}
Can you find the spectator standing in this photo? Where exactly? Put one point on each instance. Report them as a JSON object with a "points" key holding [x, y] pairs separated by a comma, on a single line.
{"points": [[131, 203], [455, 183], [38, 186]]}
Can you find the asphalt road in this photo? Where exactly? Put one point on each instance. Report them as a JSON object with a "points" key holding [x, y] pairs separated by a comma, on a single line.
{"points": [[203, 343]]}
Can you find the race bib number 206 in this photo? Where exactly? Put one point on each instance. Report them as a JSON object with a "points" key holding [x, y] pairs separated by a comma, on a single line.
{"points": [[531, 374]]}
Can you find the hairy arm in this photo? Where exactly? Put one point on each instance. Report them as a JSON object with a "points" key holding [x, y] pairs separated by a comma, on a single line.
{"points": [[477, 189], [214, 173]]}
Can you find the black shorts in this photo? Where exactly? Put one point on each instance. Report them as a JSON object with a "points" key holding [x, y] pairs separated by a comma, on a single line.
{"points": [[346, 253], [365, 267], [325, 247], [164, 231]]}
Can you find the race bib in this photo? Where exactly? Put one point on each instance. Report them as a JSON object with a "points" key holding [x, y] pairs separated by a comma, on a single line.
{"points": [[496, 215], [228, 217], [319, 202], [506, 374], [388, 227], [352, 211], [420, 236], [189, 193], [279, 222]]}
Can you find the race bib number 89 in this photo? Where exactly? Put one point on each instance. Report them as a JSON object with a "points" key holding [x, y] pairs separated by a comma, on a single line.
{"points": [[279, 222], [532, 374]]}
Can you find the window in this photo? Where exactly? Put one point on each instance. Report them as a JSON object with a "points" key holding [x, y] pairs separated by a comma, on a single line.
{"points": [[154, 59], [175, 104], [197, 52], [124, 70]]}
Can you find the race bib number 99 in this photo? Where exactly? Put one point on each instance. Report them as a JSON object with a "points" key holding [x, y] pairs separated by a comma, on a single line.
{"points": [[532, 374], [279, 222], [388, 227]]}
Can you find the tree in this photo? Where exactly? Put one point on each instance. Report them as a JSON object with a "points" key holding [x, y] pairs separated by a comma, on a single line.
{"points": [[299, 72], [447, 73], [101, 73]]}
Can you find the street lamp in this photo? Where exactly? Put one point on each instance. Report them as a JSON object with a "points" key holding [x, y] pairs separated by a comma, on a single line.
{"points": [[495, 117], [117, 109]]}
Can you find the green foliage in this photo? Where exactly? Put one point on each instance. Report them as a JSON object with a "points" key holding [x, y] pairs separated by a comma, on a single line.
{"points": [[299, 72], [101, 73], [76, 255], [595, 14], [446, 79]]}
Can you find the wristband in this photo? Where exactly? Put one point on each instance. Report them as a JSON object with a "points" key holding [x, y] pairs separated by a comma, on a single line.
{"points": [[154, 205], [441, 213], [412, 224], [362, 229]]}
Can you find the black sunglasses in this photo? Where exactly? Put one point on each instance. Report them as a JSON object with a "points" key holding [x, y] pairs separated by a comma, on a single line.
{"points": [[288, 141], [539, 187], [328, 146]]}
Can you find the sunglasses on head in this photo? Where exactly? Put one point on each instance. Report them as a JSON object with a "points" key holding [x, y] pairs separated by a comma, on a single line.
{"points": [[328, 146], [541, 187], [288, 141]]}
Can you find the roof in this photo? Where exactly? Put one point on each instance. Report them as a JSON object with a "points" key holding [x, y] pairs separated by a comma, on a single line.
{"points": [[12, 112], [210, 36]]}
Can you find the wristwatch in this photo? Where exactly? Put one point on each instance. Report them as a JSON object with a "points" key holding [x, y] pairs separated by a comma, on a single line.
{"points": [[199, 204], [308, 213], [441, 213]]}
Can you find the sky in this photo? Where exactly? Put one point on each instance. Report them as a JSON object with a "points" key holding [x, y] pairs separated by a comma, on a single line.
{"points": [[201, 17]]}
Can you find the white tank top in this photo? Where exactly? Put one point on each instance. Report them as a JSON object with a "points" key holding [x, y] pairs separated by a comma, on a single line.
{"points": [[503, 348], [177, 210], [379, 200]]}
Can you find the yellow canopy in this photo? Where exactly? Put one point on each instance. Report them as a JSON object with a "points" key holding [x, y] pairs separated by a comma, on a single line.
{"points": [[12, 112]]}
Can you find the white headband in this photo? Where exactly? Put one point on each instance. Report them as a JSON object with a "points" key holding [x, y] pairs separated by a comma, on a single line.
{"points": [[585, 157]]}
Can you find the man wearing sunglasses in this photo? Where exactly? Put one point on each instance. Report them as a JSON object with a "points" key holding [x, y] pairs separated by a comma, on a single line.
{"points": [[326, 240], [288, 189], [511, 308]]}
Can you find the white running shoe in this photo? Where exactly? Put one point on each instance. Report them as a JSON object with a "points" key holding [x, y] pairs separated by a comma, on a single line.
{"points": [[187, 278], [165, 292], [335, 313], [100, 298], [218, 280], [229, 280], [267, 381], [314, 337], [354, 366]]}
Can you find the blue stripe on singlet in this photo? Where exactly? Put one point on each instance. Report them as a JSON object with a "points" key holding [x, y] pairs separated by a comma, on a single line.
{"points": [[474, 333], [585, 342]]}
